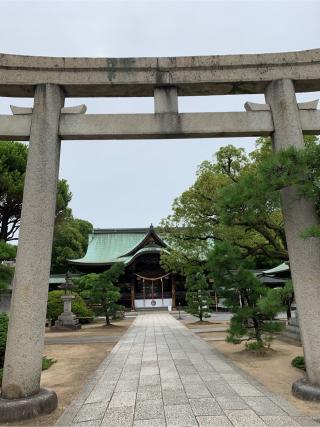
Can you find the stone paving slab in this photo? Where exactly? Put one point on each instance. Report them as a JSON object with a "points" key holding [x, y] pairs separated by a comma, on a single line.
{"points": [[162, 374]]}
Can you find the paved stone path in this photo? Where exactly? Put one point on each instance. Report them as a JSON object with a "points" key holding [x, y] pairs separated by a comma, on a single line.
{"points": [[161, 374]]}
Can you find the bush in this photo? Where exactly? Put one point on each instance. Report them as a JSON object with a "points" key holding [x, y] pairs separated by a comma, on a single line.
{"points": [[55, 307], [298, 362], [47, 362], [4, 320]]}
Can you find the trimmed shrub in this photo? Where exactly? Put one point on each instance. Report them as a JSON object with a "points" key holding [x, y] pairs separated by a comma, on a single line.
{"points": [[47, 362], [55, 307], [298, 362], [4, 320]]}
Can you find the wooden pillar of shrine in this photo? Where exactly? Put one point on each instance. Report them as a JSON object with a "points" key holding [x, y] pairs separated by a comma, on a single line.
{"points": [[173, 290], [132, 296]]}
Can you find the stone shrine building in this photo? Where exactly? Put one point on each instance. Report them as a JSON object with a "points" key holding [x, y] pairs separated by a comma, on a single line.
{"points": [[145, 284]]}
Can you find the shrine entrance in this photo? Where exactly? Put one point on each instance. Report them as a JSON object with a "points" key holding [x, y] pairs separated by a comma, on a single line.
{"points": [[50, 80], [153, 292]]}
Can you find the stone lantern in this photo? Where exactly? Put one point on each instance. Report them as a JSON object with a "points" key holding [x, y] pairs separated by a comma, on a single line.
{"points": [[67, 320]]}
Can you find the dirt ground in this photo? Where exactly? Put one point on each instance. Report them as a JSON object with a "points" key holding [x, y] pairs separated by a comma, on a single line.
{"points": [[75, 363], [206, 324], [96, 328], [273, 370]]}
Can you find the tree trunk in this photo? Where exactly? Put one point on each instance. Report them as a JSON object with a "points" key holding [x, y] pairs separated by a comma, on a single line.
{"points": [[200, 311], [106, 313], [107, 319], [4, 228], [288, 310], [257, 331]]}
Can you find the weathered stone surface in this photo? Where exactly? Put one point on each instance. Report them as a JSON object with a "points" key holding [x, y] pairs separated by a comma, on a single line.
{"points": [[180, 415], [43, 402], [280, 421], [166, 100], [91, 411], [263, 406], [231, 402], [20, 110], [23, 360], [149, 392], [77, 109], [244, 418], [67, 320], [214, 421], [123, 398], [118, 417], [299, 214], [205, 406], [154, 422], [202, 75], [149, 126], [305, 390], [148, 409]]}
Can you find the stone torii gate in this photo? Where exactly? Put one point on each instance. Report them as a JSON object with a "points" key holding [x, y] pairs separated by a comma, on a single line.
{"points": [[49, 80]]}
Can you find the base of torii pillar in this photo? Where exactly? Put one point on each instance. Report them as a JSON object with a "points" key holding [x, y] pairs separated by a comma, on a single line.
{"points": [[44, 402], [303, 389]]}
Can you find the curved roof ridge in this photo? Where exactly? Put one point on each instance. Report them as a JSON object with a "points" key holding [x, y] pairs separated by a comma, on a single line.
{"points": [[119, 230], [105, 248], [111, 245]]}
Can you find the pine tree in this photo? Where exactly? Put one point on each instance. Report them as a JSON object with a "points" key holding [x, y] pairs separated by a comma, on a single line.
{"points": [[254, 306], [101, 289], [197, 296]]}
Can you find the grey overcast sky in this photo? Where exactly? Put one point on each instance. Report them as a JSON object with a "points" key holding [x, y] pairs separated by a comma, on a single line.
{"points": [[133, 183]]}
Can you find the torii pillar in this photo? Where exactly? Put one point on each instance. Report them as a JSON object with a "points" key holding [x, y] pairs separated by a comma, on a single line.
{"points": [[21, 394], [304, 253]]}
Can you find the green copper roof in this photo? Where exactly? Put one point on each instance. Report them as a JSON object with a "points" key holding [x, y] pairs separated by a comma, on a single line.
{"points": [[279, 269], [111, 245], [59, 279]]}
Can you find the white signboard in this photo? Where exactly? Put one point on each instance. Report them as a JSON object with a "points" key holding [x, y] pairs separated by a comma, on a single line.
{"points": [[153, 303]]}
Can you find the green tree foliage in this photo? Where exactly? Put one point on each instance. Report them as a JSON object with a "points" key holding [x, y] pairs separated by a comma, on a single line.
{"points": [[7, 253], [236, 199], [299, 363], [101, 289], [253, 306], [13, 162], [214, 209], [4, 320], [254, 199], [299, 168], [197, 296], [64, 197], [70, 241], [78, 307], [70, 236], [6, 275]]}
